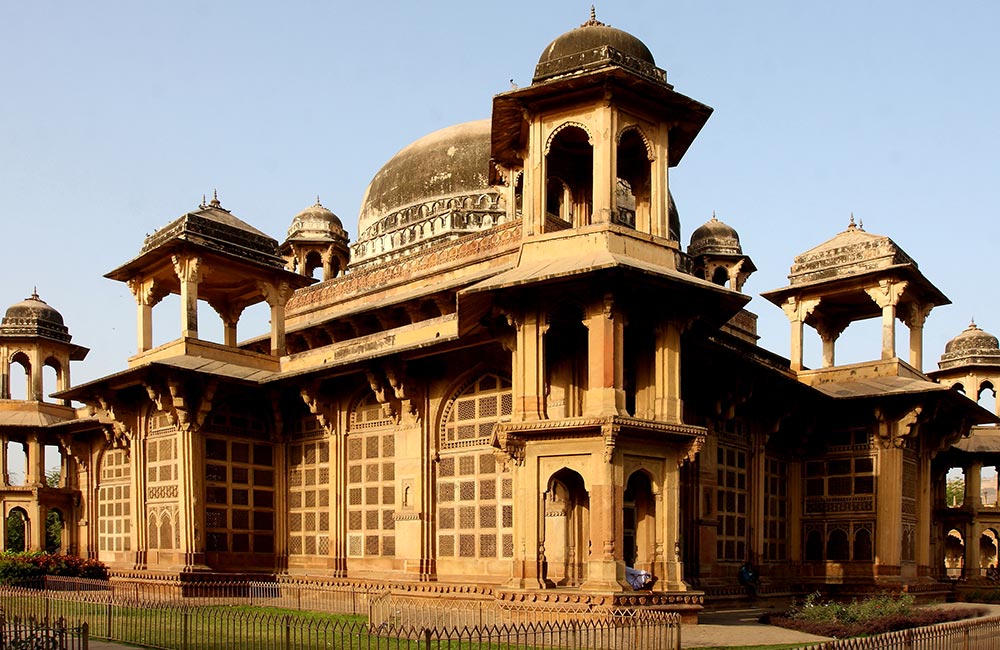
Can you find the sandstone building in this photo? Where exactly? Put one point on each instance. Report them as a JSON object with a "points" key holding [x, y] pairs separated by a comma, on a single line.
{"points": [[517, 374]]}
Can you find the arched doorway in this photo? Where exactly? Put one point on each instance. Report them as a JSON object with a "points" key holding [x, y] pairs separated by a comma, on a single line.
{"points": [[16, 533], [54, 524], [988, 550], [954, 554], [639, 522], [566, 545]]}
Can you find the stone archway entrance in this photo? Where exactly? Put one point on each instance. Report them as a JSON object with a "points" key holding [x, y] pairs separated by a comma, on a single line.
{"points": [[639, 522], [567, 529]]}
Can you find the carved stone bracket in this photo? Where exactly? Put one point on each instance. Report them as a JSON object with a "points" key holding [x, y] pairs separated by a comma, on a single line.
{"points": [[887, 292], [119, 434], [610, 433], [325, 414], [894, 432], [75, 450], [380, 386], [691, 453], [797, 310], [161, 398], [509, 448], [403, 387], [147, 292], [191, 409]]}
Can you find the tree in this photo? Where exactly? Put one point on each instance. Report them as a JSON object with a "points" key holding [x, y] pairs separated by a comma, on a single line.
{"points": [[52, 477], [954, 492], [15, 531]]}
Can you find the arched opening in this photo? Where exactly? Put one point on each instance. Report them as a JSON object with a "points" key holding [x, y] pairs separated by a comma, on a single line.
{"points": [[152, 534], [16, 539], [988, 547], [955, 487], [988, 485], [639, 522], [570, 162], [54, 525], [837, 546], [987, 397], [558, 205], [566, 543], [863, 545], [814, 546], [20, 382], [954, 554], [519, 194], [51, 378], [634, 173], [16, 463], [166, 541], [313, 265], [720, 276], [565, 364], [54, 476]]}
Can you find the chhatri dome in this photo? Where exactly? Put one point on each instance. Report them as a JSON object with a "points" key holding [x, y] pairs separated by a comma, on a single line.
{"points": [[715, 238], [972, 347], [33, 317], [316, 223]]}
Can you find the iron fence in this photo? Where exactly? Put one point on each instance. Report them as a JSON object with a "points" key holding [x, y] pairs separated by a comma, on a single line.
{"points": [[974, 634], [317, 597], [29, 633], [172, 625]]}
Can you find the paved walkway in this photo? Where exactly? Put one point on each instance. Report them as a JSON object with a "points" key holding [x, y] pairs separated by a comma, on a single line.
{"points": [[739, 627]]}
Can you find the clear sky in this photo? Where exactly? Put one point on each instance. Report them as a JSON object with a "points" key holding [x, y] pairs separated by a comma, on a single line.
{"points": [[116, 117]]}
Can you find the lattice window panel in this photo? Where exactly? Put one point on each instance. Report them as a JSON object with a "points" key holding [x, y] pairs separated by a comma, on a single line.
{"points": [[114, 508], [775, 510], [308, 497], [371, 473], [732, 503], [239, 484], [161, 467], [842, 483], [472, 414], [475, 496]]}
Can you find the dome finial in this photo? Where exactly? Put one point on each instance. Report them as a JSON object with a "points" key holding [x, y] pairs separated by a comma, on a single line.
{"points": [[713, 216], [34, 293], [852, 225], [318, 204], [204, 203], [593, 19], [215, 199]]}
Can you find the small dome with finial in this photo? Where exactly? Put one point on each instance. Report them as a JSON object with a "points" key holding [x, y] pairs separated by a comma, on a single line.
{"points": [[590, 44], [972, 347], [317, 223], [33, 317], [714, 238]]}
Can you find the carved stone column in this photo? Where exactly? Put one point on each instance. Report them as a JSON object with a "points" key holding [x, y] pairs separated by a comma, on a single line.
{"points": [[829, 330], [276, 295], [605, 569], [528, 365], [667, 403], [605, 359], [797, 310], [230, 313], [189, 272], [605, 165], [148, 293], [914, 316], [886, 296]]}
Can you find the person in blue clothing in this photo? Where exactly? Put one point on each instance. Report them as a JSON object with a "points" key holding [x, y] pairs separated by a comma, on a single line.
{"points": [[749, 579]]}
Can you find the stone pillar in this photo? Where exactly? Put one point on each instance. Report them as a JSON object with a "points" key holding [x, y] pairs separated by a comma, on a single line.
{"points": [[533, 198], [137, 476], [338, 498], [189, 272], [276, 294], [191, 496], [4, 468], [659, 190], [605, 164], [758, 495], [529, 366], [34, 462], [605, 569], [605, 348], [35, 389], [230, 313], [973, 557], [147, 294], [925, 517], [529, 549], [667, 403], [829, 331], [886, 296], [797, 310], [914, 316], [974, 486], [888, 538], [4, 372], [668, 539]]}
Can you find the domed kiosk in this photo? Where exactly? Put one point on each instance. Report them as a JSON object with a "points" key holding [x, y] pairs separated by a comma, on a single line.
{"points": [[971, 362], [316, 239], [717, 256]]}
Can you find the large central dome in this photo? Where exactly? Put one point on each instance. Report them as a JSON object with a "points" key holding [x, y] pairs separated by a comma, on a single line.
{"points": [[436, 188]]}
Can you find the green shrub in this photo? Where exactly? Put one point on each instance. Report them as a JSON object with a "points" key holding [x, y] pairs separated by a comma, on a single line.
{"points": [[18, 567], [813, 608]]}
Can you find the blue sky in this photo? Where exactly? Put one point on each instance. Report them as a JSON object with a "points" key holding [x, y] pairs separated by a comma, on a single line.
{"points": [[116, 117]]}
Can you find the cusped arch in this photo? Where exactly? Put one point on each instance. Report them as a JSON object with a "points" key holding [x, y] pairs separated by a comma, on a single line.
{"points": [[650, 155], [482, 382], [564, 126]]}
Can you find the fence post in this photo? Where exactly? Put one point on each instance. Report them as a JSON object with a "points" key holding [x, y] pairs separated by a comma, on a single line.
{"points": [[427, 638], [298, 598], [107, 622], [185, 627], [965, 638], [84, 635]]}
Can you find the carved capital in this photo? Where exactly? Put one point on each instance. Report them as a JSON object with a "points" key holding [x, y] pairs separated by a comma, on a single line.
{"points": [[915, 315], [276, 294], [894, 431], [610, 432], [325, 414], [689, 454], [188, 268], [229, 312], [147, 292], [509, 448], [887, 292], [798, 310]]}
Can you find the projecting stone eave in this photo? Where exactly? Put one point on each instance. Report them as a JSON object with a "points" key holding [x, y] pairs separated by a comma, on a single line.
{"points": [[919, 285], [509, 131]]}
